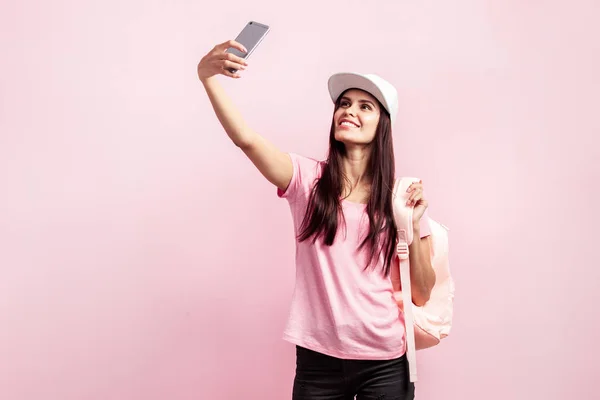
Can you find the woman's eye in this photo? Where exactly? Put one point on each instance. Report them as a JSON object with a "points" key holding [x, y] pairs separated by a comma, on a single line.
{"points": [[367, 107]]}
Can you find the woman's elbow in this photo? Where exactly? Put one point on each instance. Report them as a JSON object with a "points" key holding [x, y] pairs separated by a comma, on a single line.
{"points": [[420, 299], [423, 295]]}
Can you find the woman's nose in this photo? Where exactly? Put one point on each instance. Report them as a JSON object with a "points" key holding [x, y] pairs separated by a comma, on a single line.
{"points": [[350, 111]]}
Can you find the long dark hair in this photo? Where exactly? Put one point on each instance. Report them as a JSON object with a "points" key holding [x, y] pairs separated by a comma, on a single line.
{"points": [[324, 207]]}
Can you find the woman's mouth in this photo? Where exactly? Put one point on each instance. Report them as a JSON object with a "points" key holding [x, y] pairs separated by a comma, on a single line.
{"points": [[348, 123]]}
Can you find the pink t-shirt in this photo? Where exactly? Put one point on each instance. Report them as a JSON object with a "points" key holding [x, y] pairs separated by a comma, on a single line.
{"points": [[338, 308]]}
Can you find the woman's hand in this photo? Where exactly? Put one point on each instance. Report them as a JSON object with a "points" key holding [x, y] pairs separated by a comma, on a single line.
{"points": [[218, 61], [417, 200]]}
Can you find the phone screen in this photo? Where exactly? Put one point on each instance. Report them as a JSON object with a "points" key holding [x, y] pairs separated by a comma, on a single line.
{"points": [[249, 37]]}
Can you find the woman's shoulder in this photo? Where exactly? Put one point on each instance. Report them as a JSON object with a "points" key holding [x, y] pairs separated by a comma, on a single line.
{"points": [[307, 164], [306, 171], [307, 159]]}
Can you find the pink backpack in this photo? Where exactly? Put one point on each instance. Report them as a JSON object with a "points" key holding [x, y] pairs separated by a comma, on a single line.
{"points": [[431, 322]]}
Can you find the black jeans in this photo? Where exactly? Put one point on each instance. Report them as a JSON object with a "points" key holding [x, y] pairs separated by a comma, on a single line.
{"points": [[322, 377]]}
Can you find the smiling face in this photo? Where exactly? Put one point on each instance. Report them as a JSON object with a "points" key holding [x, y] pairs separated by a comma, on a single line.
{"points": [[356, 118]]}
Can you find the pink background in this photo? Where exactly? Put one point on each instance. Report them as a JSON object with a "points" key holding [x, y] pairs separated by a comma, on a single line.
{"points": [[143, 257]]}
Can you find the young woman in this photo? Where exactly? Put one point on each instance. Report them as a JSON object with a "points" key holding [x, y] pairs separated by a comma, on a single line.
{"points": [[344, 320]]}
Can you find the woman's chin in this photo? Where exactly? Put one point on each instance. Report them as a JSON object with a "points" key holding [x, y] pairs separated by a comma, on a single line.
{"points": [[344, 136], [349, 139]]}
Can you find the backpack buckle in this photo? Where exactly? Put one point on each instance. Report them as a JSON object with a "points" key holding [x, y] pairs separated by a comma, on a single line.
{"points": [[402, 250], [402, 246]]}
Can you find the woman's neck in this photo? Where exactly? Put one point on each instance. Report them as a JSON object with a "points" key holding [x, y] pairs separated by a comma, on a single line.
{"points": [[355, 165]]}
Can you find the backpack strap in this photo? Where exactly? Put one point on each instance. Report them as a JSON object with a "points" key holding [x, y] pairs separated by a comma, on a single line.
{"points": [[403, 217]]}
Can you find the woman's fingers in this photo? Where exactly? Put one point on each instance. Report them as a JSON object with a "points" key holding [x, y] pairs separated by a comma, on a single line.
{"points": [[230, 74], [226, 64], [224, 67], [415, 185], [234, 58], [219, 61], [415, 196], [221, 48], [416, 193]]}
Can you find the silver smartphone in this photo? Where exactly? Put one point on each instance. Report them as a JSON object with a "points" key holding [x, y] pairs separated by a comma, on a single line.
{"points": [[250, 37]]}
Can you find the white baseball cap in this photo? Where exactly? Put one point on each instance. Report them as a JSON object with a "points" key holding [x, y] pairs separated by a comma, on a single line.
{"points": [[378, 87]]}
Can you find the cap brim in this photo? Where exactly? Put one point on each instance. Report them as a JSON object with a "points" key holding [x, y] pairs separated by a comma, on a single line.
{"points": [[339, 83]]}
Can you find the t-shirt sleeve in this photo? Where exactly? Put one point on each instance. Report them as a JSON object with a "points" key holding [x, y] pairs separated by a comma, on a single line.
{"points": [[305, 171]]}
